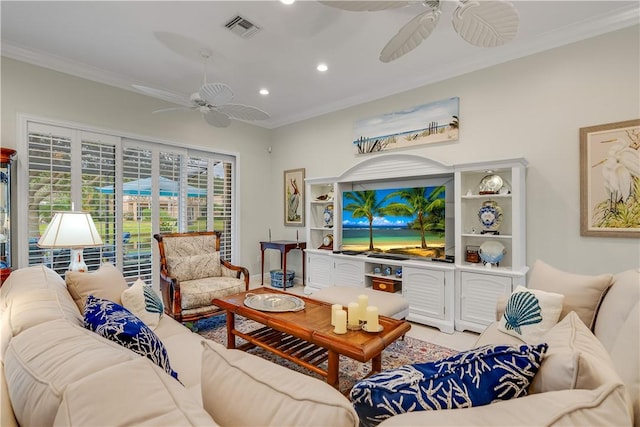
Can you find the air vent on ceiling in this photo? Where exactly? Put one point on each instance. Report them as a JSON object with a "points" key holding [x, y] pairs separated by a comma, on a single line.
{"points": [[242, 27]]}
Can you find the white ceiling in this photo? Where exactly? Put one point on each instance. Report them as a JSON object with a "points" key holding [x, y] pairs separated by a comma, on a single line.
{"points": [[157, 44]]}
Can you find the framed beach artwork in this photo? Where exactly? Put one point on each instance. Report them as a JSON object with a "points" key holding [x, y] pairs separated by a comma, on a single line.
{"points": [[610, 180], [424, 124], [294, 197]]}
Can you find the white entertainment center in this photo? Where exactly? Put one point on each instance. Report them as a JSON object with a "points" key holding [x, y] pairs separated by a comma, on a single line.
{"points": [[460, 295]]}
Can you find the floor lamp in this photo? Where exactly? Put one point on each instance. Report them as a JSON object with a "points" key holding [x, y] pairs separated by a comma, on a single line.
{"points": [[73, 230]]}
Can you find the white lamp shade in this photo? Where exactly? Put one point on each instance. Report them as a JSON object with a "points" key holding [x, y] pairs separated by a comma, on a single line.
{"points": [[70, 230]]}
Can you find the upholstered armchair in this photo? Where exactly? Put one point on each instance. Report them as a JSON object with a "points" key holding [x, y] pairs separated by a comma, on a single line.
{"points": [[192, 274]]}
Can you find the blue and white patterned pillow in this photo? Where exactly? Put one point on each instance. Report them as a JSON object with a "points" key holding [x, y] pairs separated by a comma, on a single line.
{"points": [[116, 323], [471, 378]]}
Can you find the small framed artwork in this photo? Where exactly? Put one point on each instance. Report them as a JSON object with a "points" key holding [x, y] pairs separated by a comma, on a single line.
{"points": [[294, 197], [610, 180]]}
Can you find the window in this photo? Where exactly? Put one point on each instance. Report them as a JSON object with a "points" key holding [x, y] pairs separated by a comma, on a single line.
{"points": [[133, 189]]}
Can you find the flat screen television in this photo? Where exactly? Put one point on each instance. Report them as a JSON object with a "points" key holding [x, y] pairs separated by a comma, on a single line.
{"points": [[406, 221]]}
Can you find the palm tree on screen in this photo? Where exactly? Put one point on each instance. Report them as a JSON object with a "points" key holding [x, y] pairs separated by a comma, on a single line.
{"points": [[364, 205], [428, 209]]}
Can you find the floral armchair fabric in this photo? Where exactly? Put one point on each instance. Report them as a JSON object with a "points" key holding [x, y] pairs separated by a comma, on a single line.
{"points": [[192, 274]]}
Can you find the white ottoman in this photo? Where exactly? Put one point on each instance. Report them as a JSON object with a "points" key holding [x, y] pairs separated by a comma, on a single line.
{"points": [[389, 304]]}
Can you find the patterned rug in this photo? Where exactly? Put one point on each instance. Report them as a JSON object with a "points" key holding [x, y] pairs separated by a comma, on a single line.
{"points": [[401, 352]]}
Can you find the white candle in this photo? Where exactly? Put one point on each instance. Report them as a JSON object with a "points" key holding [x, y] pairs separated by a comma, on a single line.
{"points": [[341, 322], [372, 319], [363, 302], [334, 308], [354, 314]]}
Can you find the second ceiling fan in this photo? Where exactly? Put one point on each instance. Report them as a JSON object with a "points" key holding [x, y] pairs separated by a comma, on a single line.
{"points": [[484, 23], [212, 100]]}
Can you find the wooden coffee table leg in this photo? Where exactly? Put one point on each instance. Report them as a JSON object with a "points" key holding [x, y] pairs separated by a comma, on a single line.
{"points": [[231, 325], [376, 364], [333, 367]]}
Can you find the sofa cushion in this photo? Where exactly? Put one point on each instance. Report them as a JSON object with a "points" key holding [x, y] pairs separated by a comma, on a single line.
{"points": [[134, 392], [141, 300], [194, 266], [43, 360], [529, 314], [106, 282], [240, 389], [116, 323], [618, 329], [582, 293], [471, 378]]}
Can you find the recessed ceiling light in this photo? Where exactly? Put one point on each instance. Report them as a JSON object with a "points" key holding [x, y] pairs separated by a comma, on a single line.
{"points": [[322, 67], [264, 91], [287, 1]]}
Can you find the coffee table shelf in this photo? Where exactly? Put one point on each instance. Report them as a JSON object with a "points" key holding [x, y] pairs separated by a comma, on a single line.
{"points": [[286, 346]]}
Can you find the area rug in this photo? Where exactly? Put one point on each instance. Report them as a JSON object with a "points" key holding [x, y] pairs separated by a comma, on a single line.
{"points": [[401, 352]]}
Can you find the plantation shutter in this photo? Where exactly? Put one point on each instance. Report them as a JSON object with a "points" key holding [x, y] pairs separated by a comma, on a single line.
{"points": [[49, 171], [136, 200]]}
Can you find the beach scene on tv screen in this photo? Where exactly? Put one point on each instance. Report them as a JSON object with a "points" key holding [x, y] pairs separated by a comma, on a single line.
{"points": [[404, 221]]}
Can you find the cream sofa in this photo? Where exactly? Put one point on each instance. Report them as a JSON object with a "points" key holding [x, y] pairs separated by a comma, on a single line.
{"points": [[78, 378], [56, 372], [587, 378]]}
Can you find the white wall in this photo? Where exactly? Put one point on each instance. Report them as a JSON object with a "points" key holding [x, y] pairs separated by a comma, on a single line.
{"points": [[40, 92], [532, 108]]}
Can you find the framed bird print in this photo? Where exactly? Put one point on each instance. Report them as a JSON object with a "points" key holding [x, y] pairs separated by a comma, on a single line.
{"points": [[610, 180], [294, 197]]}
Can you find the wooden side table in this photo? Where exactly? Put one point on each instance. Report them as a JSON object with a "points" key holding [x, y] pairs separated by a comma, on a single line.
{"points": [[284, 246]]}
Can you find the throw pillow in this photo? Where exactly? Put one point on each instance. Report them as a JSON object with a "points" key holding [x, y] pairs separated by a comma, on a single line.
{"points": [[195, 266], [471, 378], [575, 360], [583, 294], [529, 314], [116, 323], [106, 282], [141, 300]]}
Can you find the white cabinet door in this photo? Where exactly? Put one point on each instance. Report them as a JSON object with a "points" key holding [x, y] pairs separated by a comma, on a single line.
{"points": [[425, 291], [479, 294], [319, 271], [348, 272]]}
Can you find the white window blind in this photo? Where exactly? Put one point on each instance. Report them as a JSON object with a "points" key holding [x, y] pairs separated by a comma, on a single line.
{"points": [[133, 189]]}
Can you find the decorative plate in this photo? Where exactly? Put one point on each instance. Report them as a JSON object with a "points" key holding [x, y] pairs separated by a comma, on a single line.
{"points": [[490, 184], [491, 252], [490, 215], [273, 302]]}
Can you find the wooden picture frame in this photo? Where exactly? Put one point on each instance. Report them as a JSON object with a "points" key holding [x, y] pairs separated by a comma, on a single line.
{"points": [[294, 197], [609, 180]]}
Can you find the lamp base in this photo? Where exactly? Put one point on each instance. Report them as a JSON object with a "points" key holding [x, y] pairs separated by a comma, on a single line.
{"points": [[77, 261]]}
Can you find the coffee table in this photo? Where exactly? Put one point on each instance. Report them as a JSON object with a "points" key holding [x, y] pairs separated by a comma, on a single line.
{"points": [[306, 337]]}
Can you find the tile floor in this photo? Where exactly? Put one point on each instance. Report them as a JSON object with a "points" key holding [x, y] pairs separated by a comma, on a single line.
{"points": [[458, 340]]}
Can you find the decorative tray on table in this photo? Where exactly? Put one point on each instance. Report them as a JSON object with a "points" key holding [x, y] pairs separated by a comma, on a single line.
{"points": [[273, 302]]}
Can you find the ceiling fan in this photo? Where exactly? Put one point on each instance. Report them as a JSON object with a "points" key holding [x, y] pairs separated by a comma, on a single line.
{"points": [[483, 23], [212, 100]]}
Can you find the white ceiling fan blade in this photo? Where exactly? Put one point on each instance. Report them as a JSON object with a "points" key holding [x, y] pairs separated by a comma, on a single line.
{"points": [[217, 119], [166, 110], [243, 112], [216, 93], [165, 96], [411, 35], [486, 23], [365, 6]]}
